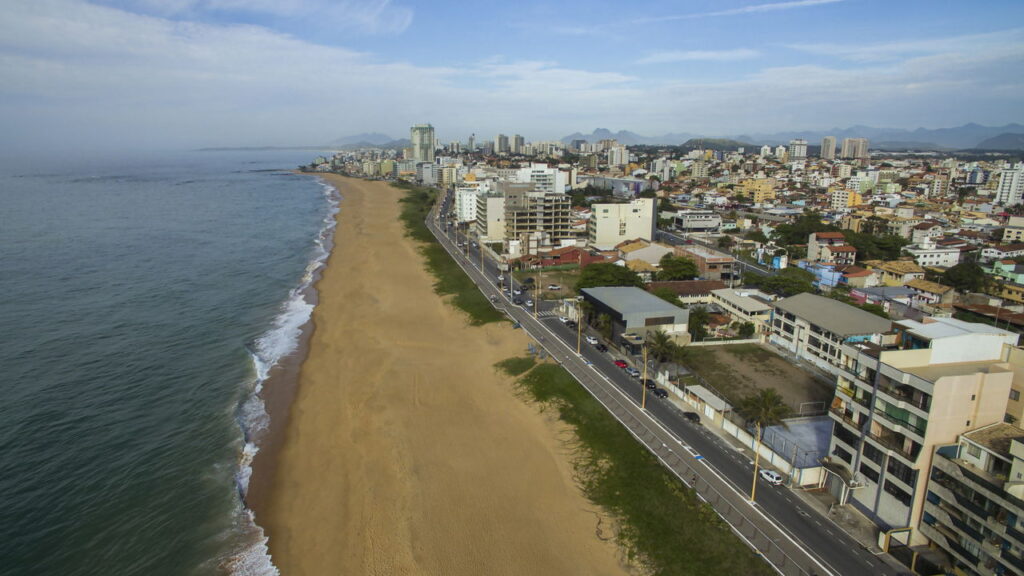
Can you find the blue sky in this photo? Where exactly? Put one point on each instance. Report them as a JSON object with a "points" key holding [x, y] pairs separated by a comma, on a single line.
{"points": [[184, 73]]}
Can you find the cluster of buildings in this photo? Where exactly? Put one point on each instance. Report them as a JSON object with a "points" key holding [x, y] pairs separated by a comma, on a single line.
{"points": [[925, 415]]}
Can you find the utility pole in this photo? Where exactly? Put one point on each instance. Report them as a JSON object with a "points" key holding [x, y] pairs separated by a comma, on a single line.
{"points": [[643, 381]]}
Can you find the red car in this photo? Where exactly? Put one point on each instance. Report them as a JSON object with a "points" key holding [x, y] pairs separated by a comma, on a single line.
{"points": [[621, 363]]}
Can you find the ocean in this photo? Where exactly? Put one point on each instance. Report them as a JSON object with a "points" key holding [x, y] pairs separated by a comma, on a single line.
{"points": [[144, 300]]}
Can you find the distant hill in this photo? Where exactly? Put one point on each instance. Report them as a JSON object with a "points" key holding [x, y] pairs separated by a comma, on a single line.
{"points": [[1005, 141], [628, 138], [721, 144], [968, 136], [367, 138]]}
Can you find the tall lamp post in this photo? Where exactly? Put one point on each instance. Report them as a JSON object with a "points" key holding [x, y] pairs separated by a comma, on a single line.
{"points": [[643, 382], [579, 327]]}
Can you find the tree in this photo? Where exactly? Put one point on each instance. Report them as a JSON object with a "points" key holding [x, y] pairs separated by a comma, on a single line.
{"points": [[966, 277], [697, 323], [799, 230], [747, 329], [677, 268], [763, 409], [666, 294], [725, 242], [607, 274], [757, 236], [788, 282], [660, 345]]}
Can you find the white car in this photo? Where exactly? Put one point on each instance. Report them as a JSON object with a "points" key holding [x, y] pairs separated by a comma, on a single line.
{"points": [[591, 340], [771, 476], [554, 287], [501, 276], [563, 319], [529, 302]]}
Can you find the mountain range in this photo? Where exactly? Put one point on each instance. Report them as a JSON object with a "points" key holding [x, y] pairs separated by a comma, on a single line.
{"points": [[968, 136]]}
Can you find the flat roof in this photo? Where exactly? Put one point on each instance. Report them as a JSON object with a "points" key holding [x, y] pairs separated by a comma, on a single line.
{"points": [[632, 300], [933, 372], [947, 327], [833, 315], [741, 299], [709, 398], [996, 437]]}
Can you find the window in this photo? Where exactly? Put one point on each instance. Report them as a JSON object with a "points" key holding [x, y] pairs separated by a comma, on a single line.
{"points": [[1014, 395], [973, 451], [869, 473]]}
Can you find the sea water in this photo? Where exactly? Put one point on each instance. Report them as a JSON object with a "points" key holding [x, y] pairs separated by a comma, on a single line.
{"points": [[143, 300]]}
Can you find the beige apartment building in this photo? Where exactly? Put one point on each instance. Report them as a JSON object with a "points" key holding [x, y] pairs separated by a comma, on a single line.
{"points": [[612, 224], [901, 394]]}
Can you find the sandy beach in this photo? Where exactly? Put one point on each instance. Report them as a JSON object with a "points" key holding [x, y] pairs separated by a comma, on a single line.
{"points": [[406, 452]]}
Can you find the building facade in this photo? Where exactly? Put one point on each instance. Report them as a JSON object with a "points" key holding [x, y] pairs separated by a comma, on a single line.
{"points": [[612, 224], [422, 137]]}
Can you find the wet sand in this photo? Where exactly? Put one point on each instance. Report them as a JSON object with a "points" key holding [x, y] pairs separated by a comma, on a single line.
{"points": [[405, 451]]}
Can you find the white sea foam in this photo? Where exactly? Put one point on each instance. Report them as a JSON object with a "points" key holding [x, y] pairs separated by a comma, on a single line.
{"points": [[280, 340]]}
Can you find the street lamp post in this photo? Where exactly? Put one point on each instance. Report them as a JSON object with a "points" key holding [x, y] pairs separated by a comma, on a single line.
{"points": [[643, 381], [757, 460], [579, 327]]}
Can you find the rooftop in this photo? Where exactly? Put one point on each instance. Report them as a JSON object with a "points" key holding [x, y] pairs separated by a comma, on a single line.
{"points": [[631, 300], [948, 327], [933, 372], [689, 287], [996, 437], [926, 286], [742, 299], [834, 316]]}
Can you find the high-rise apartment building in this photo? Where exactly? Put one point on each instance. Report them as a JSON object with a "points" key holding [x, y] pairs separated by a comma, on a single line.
{"points": [[856, 148], [828, 148], [517, 144], [422, 136], [501, 144], [899, 397], [797, 150], [1010, 189]]}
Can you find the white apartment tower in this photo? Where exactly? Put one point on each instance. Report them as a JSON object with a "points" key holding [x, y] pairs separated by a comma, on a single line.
{"points": [[797, 150], [1011, 184], [828, 148], [422, 136]]}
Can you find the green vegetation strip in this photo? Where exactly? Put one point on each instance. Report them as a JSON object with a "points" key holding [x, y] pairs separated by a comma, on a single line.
{"points": [[662, 523], [449, 277], [516, 366]]}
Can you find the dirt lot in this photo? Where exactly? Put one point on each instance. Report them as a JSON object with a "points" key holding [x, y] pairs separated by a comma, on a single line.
{"points": [[565, 279], [739, 370]]}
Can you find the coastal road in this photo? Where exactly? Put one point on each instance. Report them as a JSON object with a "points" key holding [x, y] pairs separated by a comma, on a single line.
{"points": [[793, 537]]}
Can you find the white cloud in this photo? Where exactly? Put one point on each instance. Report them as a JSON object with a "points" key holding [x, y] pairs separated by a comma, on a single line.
{"points": [[699, 55], [80, 74], [1001, 41], [753, 9]]}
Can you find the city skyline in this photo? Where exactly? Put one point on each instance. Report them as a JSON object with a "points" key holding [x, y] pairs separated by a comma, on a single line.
{"points": [[230, 73]]}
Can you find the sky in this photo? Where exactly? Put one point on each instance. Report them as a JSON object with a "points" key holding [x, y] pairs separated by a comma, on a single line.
{"points": [[163, 74]]}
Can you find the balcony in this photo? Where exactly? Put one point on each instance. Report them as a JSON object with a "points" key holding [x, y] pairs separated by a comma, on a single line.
{"points": [[904, 397], [847, 419], [895, 443], [915, 432]]}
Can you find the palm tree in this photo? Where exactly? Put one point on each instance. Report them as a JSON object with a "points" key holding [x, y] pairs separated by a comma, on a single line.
{"points": [[763, 409], [661, 346]]}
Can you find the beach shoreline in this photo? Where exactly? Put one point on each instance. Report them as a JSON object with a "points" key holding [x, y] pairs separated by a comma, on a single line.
{"points": [[404, 451]]}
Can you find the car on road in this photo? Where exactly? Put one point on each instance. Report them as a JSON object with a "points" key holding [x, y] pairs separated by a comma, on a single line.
{"points": [[692, 417], [501, 276], [517, 301], [554, 287], [650, 385], [771, 476], [621, 364], [592, 340], [601, 348], [633, 372], [517, 291], [661, 393], [529, 302], [571, 324], [563, 320]]}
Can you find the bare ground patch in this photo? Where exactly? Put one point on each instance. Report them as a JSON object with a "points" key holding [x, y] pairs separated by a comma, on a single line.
{"points": [[740, 370]]}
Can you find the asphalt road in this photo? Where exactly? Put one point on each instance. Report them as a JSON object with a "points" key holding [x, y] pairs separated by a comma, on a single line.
{"points": [[811, 543]]}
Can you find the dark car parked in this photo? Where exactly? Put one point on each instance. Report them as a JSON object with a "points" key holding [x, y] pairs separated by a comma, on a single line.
{"points": [[661, 393], [692, 417], [649, 384]]}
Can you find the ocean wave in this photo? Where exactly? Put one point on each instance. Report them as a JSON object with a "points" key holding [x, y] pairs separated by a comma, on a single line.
{"points": [[280, 340]]}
